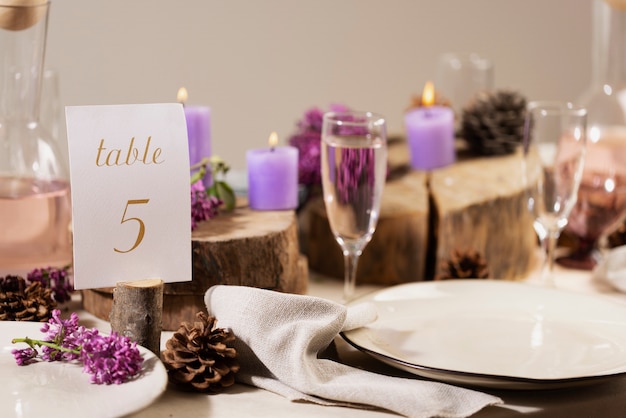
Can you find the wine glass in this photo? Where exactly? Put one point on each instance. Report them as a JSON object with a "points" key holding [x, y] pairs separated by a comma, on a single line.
{"points": [[554, 151], [601, 203], [354, 167]]}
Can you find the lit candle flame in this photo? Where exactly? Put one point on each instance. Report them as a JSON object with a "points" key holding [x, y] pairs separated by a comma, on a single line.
{"points": [[428, 95], [273, 141], [182, 95]]}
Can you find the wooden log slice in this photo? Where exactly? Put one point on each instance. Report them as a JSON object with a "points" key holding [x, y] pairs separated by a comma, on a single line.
{"points": [[137, 312], [481, 205], [475, 204], [397, 251], [243, 247]]}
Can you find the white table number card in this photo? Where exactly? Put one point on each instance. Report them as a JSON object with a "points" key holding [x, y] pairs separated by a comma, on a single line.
{"points": [[129, 171]]}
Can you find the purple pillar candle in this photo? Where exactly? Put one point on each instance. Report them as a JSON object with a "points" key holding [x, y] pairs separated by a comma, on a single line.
{"points": [[430, 136], [198, 132], [273, 178], [198, 129]]}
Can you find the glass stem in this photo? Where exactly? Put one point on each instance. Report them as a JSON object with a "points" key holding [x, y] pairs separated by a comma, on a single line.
{"points": [[549, 244], [351, 260]]}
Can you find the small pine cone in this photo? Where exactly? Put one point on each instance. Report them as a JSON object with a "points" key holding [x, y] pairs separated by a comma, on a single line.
{"points": [[464, 265], [493, 122], [198, 358], [19, 302]]}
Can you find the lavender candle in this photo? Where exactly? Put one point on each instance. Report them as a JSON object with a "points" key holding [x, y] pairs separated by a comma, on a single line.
{"points": [[273, 177], [430, 134], [198, 129]]}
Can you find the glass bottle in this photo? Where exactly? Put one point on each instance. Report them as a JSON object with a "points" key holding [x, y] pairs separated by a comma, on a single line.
{"points": [[35, 211], [605, 99]]}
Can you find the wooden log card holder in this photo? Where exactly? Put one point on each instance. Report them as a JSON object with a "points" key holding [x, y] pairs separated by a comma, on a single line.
{"points": [[137, 311]]}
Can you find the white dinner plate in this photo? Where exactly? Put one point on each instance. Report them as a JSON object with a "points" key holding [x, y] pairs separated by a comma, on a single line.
{"points": [[496, 334], [61, 389]]}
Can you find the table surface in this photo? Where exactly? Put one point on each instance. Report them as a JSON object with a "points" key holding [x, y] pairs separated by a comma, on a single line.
{"points": [[601, 400]]}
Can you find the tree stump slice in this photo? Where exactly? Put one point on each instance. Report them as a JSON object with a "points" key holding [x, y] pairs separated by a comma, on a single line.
{"points": [[243, 247], [481, 205], [397, 251], [477, 204], [137, 312]]}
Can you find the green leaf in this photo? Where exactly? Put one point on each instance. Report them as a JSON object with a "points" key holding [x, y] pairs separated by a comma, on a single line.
{"points": [[226, 193], [196, 177]]}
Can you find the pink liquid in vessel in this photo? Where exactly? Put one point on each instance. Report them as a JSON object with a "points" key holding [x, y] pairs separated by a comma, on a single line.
{"points": [[35, 220]]}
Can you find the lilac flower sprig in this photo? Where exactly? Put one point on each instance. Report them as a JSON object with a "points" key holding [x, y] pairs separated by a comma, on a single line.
{"points": [[56, 279], [107, 358], [307, 140], [203, 206], [205, 202]]}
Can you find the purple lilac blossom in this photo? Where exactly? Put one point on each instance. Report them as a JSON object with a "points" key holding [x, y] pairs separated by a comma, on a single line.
{"points": [[56, 279], [357, 168], [65, 333], [107, 358], [24, 356], [203, 206], [307, 140]]}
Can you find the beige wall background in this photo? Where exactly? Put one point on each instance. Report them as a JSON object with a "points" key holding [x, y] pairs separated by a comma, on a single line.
{"points": [[259, 64]]}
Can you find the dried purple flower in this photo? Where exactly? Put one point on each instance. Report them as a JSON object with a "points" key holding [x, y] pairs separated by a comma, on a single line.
{"points": [[108, 358], [307, 140], [57, 279], [203, 206], [308, 145]]}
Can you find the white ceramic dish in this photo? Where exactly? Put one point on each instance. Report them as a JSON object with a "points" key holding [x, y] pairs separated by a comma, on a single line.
{"points": [[61, 389], [496, 334]]}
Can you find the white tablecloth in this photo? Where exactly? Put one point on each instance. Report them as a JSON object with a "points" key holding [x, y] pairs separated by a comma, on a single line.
{"points": [[602, 400]]}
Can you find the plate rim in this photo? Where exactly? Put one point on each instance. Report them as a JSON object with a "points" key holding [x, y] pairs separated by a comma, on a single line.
{"points": [[469, 378]]}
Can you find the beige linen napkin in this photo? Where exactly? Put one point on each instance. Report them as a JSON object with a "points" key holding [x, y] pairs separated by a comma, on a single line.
{"points": [[279, 337]]}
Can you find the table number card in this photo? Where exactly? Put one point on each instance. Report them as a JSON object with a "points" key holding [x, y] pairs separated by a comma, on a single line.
{"points": [[129, 168]]}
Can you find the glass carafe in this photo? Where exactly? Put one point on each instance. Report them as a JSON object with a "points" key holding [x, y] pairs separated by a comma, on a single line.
{"points": [[35, 212], [601, 201]]}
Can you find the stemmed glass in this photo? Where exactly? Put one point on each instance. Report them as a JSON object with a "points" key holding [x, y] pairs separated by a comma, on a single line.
{"points": [[354, 166], [601, 203], [554, 152]]}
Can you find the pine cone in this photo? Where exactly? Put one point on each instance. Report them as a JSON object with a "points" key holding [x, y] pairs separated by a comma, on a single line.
{"points": [[493, 122], [198, 358], [19, 302], [464, 265]]}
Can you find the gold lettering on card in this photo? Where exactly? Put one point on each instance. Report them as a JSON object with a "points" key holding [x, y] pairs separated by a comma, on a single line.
{"points": [[134, 153]]}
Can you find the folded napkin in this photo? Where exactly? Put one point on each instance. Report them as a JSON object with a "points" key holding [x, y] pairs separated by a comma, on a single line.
{"points": [[280, 337]]}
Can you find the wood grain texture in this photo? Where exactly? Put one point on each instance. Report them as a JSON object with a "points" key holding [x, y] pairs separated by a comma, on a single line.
{"points": [[243, 247], [481, 205], [475, 204], [137, 310], [397, 251]]}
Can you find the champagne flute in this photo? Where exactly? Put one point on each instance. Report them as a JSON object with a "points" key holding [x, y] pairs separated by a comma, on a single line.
{"points": [[554, 151], [354, 167], [601, 203]]}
